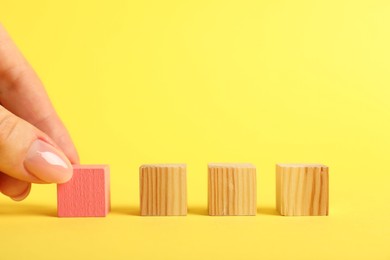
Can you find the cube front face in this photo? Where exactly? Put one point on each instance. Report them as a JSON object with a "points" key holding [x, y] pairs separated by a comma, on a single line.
{"points": [[163, 190], [232, 190], [87, 194], [302, 189]]}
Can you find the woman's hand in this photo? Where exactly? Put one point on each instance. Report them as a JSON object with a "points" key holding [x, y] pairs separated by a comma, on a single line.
{"points": [[35, 147]]}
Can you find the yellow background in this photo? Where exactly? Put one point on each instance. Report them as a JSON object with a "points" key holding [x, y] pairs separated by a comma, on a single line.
{"points": [[212, 81]]}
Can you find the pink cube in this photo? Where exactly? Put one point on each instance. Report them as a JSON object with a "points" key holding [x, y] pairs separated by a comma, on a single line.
{"points": [[87, 194]]}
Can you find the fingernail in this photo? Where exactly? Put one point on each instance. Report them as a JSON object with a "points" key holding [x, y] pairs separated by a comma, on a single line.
{"points": [[23, 195], [47, 163]]}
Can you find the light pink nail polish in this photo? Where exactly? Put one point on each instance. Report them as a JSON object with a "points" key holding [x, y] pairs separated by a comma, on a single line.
{"points": [[47, 163]]}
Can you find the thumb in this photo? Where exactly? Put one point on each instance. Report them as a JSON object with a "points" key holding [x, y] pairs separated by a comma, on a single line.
{"points": [[28, 154]]}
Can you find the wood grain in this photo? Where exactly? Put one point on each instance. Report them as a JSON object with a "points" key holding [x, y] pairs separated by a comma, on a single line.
{"points": [[302, 189], [163, 190], [232, 189], [87, 194]]}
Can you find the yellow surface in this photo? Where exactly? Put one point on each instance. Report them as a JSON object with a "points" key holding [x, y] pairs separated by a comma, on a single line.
{"points": [[212, 81]]}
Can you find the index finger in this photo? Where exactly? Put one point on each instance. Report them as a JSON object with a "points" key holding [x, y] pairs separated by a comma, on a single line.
{"points": [[22, 93]]}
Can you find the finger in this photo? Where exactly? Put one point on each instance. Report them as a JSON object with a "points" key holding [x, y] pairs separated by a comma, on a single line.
{"points": [[15, 189], [53, 127], [28, 154], [23, 94]]}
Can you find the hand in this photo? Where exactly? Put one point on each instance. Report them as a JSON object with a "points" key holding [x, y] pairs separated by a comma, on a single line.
{"points": [[35, 147]]}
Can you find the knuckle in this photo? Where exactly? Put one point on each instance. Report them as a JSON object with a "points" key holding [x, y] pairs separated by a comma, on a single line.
{"points": [[8, 125], [13, 75], [17, 75]]}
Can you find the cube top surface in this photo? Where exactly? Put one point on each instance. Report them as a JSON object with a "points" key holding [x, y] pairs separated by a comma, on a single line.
{"points": [[231, 165], [91, 166], [301, 165], [164, 165]]}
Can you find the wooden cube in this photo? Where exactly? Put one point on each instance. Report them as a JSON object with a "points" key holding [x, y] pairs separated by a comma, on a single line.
{"points": [[232, 189], [87, 194], [302, 189], [163, 190]]}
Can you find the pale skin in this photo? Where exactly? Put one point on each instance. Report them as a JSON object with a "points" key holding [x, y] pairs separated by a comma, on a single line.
{"points": [[27, 115]]}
